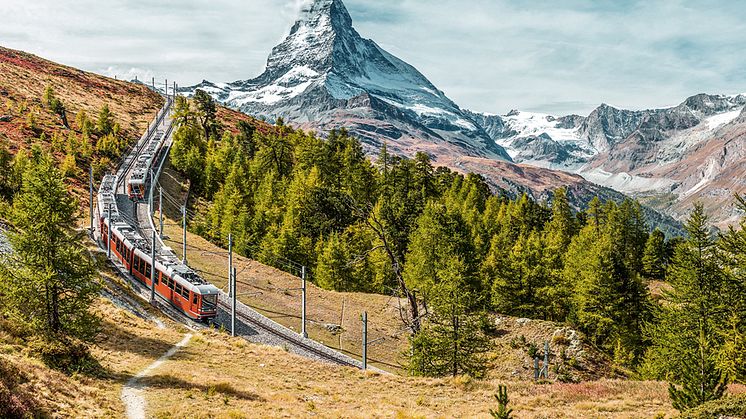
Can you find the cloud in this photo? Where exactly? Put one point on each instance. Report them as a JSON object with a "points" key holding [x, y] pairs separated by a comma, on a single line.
{"points": [[488, 55]]}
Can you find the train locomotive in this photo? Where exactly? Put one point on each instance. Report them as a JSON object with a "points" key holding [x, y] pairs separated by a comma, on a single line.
{"points": [[174, 281], [136, 184]]}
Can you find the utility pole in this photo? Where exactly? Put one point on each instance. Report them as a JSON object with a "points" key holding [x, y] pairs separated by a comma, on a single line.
{"points": [[152, 271], [160, 209], [90, 190], [174, 91], [183, 224], [153, 83], [365, 340], [166, 87], [230, 263], [303, 302], [234, 274]]}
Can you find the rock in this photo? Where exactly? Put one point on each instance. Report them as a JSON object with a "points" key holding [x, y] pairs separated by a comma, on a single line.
{"points": [[522, 322], [334, 329]]}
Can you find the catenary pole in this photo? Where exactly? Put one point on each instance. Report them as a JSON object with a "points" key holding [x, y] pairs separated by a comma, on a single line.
{"points": [[150, 193], [160, 209], [108, 231], [184, 238], [230, 262], [152, 270], [90, 197], [303, 302], [365, 340], [234, 274]]}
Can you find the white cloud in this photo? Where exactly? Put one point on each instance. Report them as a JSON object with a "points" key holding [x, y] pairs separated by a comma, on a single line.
{"points": [[490, 55]]}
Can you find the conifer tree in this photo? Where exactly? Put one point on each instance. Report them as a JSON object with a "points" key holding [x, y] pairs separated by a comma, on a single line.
{"points": [[49, 282], [654, 258], [685, 338], [452, 342], [207, 112], [105, 123], [332, 268], [732, 356]]}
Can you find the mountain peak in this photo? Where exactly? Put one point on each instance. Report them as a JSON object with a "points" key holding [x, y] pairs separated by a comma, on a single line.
{"points": [[324, 12]]}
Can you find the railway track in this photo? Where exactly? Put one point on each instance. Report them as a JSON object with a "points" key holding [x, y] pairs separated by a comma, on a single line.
{"points": [[249, 323]]}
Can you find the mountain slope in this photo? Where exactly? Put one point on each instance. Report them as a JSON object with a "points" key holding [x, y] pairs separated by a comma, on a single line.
{"points": [[672, 157], [324, 75]]}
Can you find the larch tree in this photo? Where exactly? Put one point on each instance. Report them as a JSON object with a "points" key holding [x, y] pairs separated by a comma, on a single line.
{"points": [[685, 337], [654, 258], [49, 281]]}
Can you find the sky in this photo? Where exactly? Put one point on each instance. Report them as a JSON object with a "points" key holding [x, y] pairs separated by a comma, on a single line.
{"points": [[558, 57]]}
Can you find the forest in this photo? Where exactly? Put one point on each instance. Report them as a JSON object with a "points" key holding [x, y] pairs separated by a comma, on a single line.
{"points": [[456, 250]]}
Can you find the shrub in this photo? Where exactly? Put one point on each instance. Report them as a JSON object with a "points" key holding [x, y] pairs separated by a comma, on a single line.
{"points": [[66, 355], [732, 406]]}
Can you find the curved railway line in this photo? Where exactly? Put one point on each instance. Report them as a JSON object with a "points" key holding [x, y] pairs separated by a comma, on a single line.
{"points": [[249, 323]]}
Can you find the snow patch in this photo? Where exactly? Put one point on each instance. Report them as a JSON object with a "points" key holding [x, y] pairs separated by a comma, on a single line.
{"points": [[624, 182], [719, 120], [710, 173]]}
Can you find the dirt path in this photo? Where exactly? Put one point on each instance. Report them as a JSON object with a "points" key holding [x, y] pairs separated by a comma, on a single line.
{"points": [[134, 402]]}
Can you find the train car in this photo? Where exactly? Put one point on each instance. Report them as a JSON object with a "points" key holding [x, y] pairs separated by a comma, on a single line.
{"points": [[137, 182], [174, 281]]}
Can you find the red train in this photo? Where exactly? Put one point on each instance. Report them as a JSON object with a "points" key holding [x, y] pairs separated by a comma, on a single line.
{"points": [[175, 282]]}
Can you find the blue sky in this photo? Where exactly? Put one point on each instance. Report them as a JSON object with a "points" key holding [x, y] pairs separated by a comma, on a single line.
{"points": [[488, 55]]}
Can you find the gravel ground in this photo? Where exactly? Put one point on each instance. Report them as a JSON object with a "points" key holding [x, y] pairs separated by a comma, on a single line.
{"points": [[246, 326]]}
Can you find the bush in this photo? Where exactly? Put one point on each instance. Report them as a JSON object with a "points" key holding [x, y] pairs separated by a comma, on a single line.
{"points": [[732, 406], [66, 355]]}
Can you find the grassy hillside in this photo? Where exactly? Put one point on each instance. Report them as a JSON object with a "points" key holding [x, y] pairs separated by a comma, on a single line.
{"points": [[27, 121], [219, 376], [25, 78]]}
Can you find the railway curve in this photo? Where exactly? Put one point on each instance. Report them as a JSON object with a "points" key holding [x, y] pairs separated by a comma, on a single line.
{"points": [[250, 324]]}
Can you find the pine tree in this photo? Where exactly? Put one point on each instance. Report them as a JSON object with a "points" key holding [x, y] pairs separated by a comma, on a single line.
{"points": [[557, 236], [207, 112], [49, 283], [332, 268], [105, 123], [732, 356], [610, 302], [685, 337], [654, 258], [701, 380], [452, 342]]}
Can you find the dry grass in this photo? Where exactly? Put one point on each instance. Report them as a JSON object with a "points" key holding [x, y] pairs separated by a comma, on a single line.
{"points": [[25, 77], [126, 345], [240, 379]]}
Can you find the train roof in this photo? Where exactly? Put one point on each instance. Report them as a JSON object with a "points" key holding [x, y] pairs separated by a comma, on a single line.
{"points": [[145, 159]]}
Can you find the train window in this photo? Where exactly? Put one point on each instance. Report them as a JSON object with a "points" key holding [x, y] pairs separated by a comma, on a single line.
{"points": [[147, 270], [209, 302], [195, 299], [185, 293]]}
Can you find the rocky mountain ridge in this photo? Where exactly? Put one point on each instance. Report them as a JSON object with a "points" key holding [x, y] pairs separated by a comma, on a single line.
{"points": [[324, 75], [670, 158]]}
